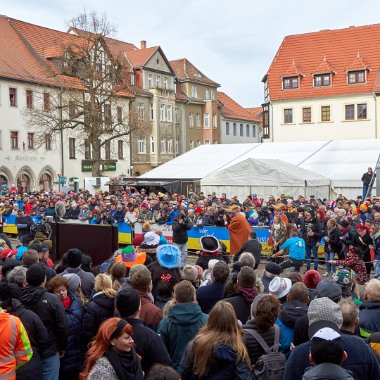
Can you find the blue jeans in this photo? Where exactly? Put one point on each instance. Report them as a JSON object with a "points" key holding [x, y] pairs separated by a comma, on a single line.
{"points": [[376, 265], [183, 249], [50, 367], [329, 267], [313, 249], [365, 190]]}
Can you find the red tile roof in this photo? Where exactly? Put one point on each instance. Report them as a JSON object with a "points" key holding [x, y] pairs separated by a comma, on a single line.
{"points": [[232, 110], [256, 113], [324, 68], [186, 71], [138, 58], [340, 48]]}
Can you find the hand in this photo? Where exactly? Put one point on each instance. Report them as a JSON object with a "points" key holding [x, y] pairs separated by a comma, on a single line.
{"points": [[310, 233], [326, 238]]}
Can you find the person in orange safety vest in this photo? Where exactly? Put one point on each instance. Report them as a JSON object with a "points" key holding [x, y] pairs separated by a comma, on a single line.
{"points": [[15, 349]]}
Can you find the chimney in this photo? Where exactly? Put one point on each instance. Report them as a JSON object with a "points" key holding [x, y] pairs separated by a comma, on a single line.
{"points": [[142, 44]]}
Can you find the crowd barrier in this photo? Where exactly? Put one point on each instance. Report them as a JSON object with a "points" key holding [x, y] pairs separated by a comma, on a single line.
{"points": [[125, 233]]}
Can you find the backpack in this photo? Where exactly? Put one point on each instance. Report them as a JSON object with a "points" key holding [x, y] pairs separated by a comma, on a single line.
{"points": [[271, 365]]}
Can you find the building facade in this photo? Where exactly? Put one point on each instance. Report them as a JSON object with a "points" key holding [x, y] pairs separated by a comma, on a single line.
{"points": [[202, 109], [324, 86], [237, 125]]}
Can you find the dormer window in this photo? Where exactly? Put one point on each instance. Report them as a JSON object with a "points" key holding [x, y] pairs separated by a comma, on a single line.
{"points": [[290, 83], [322, 80], [356, 77]]}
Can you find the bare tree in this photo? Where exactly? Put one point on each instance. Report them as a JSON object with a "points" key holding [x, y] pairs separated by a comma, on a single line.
{"points": [[93, 98]]}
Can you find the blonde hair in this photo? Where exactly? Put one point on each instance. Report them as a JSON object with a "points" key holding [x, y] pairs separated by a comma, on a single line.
{"points": [[221, 328], [103, 283]]}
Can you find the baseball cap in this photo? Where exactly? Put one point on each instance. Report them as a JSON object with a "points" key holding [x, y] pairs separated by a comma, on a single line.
{"points": [[326, 288]]}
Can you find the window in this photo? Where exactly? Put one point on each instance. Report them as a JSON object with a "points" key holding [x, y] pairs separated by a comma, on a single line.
{"points": [[206, 120], [191, 144], [141, 146], [48, 141], [325, 113], [13, 97], [234, 129], [198, 142], [158, 81], [356, 77], [176, 118], [150, 81], [214, 121], [247, 130], [166, 83], [362, 111], [227, 128], [290, 82], [107, 150], [321, 80], [207, 142], [140, 111], [350, 112], [46, 101], [132, 79], [215, 142], [152, 145], [266, 129], [162, 112], [170, 145], [207, 94], [288, 116], [14, 140], [87, 149], [71, 147], [194, 91], [212, 95], [306, 115], [163, 145], [30, 140], [241, 130], [198, 120], [169, 113], [151, 112], [177, 145], [191, 120], [29, 99], [253, 130], [108, 117], [119, 114], [120, 149]]}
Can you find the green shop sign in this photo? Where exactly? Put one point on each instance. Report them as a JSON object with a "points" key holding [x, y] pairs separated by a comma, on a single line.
{"points": [[87, 167]]}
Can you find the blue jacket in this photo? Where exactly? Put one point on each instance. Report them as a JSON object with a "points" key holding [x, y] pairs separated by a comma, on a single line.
{"points": [[180, 327], [225, 365], [209, 295], [369, 316], [74, 356], [296, 248], [361, 361]]}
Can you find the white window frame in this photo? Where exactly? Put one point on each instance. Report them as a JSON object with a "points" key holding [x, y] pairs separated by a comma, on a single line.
{"points": [[162, 112], [176, 145], [170, 145], [158, 81], [191, 144], [214, 121], [194, 91], [141, 146], [163, 145], [198, 120], [166, 86], [206, 120], [207, 94], [176, 111], [191, 120], [151, 111], [169, 114], [152, 145], [150, 80], [140, 111]]}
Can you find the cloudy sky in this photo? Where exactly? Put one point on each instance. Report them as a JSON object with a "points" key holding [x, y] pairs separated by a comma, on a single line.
{"points": [[232, 42]]}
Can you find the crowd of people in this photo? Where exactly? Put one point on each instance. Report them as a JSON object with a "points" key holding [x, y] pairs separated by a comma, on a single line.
{"points": [[152, 312]]}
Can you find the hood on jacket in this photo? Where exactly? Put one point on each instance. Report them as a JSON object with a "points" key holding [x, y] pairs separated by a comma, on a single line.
{"points": [[31, 295], [291, 311], [370, 305], [248, 294], [185, 314], [18, 308], [225, 353], [103, 301]]}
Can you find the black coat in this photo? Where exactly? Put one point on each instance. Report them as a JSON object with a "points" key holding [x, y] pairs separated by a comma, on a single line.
{"points": [[253, 246], [209, 295], [99, 309], [333, 245], [241, 305], [52, 314], [180, 231], [311, 226], [149, 345], [74, 356], [203, 259]]}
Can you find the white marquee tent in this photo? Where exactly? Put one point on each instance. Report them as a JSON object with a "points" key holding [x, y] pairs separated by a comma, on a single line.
{"points": [[265, 177], [342, 161]]}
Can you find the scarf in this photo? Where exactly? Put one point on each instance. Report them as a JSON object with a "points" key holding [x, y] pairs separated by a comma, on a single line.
{"points": [[66, 302], [248, 294], [125, 364]]}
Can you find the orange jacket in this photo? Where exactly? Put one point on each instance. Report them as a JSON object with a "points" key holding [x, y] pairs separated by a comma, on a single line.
{"points": [[15, 349]]}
